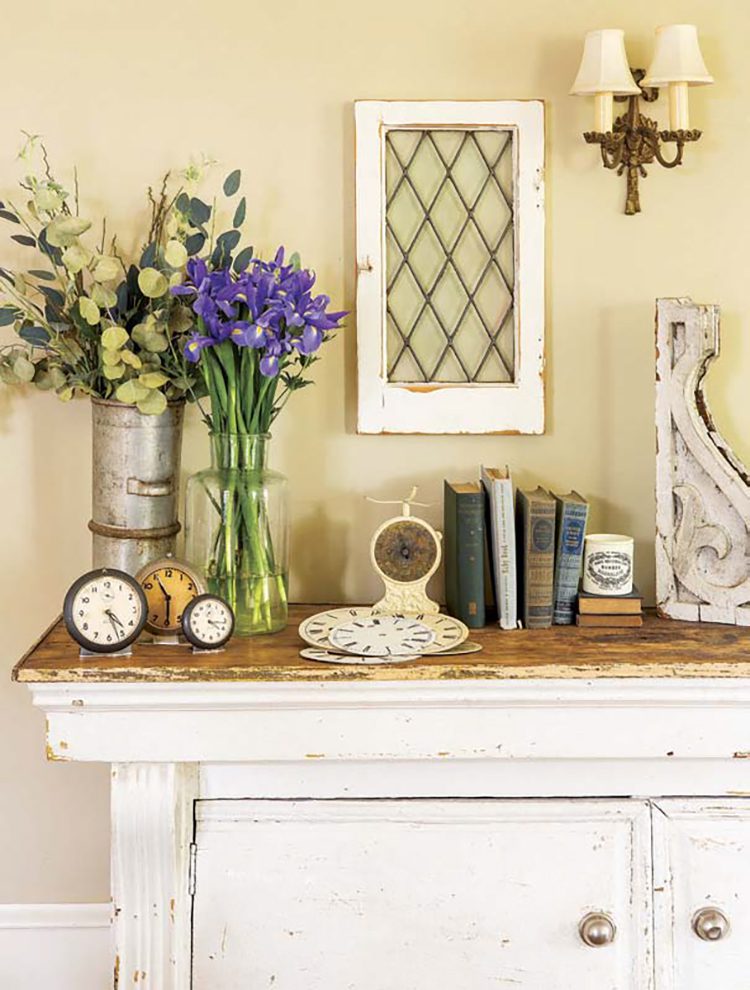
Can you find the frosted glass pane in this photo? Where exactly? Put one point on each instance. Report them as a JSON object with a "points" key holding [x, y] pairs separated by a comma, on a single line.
{"points": [[450, 276]]}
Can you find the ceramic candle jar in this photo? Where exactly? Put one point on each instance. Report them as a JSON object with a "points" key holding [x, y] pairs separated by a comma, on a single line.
{"points": [[608, 564]]}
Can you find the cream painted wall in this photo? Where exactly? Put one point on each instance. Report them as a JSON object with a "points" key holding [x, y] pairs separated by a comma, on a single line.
{"points": [[128, 90]]}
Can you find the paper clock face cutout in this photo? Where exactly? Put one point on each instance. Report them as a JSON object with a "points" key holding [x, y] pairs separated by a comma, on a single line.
{"points": [[327, 656], [382, 636], [450, 266], [317, 628]]}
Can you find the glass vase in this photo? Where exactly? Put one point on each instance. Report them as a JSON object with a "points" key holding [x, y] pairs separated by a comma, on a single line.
{"points": [[237, 531]]}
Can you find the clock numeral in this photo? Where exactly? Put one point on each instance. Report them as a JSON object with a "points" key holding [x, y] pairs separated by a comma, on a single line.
{"points": [[85, 626], [168, 573], [148, 585], [179, 617], [85, 601], [107, 584]]}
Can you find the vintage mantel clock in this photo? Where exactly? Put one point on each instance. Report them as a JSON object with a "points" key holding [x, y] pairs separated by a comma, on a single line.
{"points": [[105, 611], [405, 552], [208, 623], [170, 586], [405, 623]]}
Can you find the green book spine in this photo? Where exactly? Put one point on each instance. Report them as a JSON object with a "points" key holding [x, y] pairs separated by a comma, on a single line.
{"points": [[464, 553]]}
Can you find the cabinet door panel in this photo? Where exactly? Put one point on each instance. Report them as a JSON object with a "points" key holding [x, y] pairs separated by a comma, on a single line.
{"points": [[701, 861], [413, 895]]}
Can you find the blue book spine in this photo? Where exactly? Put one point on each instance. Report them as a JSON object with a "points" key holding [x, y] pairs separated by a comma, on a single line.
{"points": [[571, 529]]}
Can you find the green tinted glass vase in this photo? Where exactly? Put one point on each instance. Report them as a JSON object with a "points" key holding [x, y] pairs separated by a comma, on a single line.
{"points": [[237, 531]]}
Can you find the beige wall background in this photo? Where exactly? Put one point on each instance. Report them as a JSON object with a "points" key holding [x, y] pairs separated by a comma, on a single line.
{"points": [[128, 90]]}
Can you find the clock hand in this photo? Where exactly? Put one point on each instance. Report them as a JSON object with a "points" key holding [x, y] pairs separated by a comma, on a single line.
{"points": [[168, 598], [112, 617]]}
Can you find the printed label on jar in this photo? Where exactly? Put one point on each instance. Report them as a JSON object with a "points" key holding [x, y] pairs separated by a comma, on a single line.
{"points": [[610, 569]]}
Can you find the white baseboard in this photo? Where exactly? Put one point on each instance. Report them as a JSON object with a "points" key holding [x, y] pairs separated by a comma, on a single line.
{"points": [[55, 946]]}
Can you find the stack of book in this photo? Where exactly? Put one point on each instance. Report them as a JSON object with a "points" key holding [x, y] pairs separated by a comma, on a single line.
{"points": [[610, 611], [523, 556]]}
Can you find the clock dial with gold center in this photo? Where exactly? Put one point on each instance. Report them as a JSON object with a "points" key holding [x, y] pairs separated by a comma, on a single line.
{"points": [[169, 586]]}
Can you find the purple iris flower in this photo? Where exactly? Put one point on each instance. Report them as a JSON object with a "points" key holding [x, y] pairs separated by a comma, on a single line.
{"points": [[269, 307], [246, 334], [195, 345], [269, 365]]}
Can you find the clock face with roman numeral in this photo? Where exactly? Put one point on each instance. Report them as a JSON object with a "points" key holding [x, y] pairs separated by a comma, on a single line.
{"points": [[449, 633], [105, 610], [382, 636]]}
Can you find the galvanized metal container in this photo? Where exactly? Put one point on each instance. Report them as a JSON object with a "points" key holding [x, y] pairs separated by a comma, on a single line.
{"points": [[136, 471]]}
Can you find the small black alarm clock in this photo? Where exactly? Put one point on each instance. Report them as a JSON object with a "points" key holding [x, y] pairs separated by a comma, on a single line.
{"points": [[208, 622], [105, 610]]}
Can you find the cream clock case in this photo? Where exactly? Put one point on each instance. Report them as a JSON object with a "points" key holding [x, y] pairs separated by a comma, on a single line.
{"points": [[406, 623]]}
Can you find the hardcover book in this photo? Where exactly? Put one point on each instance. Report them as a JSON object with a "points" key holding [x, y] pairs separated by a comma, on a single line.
{"points": [[535, 545], [464, 552], [498, 487], [630, 604], [610, 621], [571, 513]]}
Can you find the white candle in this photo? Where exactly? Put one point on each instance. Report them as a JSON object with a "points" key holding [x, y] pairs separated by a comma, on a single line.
{"points": [[679, 118], [603, 112]]}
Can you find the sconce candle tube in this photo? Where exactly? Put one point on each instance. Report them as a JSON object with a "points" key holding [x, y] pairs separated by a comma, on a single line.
{"points": [[679, 117], [603, 112]]}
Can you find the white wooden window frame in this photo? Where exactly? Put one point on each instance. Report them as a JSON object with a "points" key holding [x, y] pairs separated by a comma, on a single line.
{"points": [[436, 407]]}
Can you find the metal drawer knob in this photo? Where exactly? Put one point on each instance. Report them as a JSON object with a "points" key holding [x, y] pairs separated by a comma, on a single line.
{"points": [[597, 929], [710, 924]]}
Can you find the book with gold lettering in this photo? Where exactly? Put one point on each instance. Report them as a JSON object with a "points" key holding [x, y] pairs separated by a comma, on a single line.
{"points": [[535, 547]]}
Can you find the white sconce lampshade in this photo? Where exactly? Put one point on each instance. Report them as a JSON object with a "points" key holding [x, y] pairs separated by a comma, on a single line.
{"points": [[677, 58], [604, 66], [678, 63]]}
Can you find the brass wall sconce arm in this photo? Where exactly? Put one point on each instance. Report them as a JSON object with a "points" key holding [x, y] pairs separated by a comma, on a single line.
{"points": [[636, 141]]}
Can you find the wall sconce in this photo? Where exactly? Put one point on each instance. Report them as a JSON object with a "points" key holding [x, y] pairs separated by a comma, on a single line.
{"points": [[634, 140]]}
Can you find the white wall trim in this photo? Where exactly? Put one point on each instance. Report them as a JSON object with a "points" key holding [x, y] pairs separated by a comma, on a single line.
{"points": [[25, 916]]}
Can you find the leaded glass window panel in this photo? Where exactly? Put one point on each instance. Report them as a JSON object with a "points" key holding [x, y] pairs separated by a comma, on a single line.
{"points": [[449, 255], [450, 298]]}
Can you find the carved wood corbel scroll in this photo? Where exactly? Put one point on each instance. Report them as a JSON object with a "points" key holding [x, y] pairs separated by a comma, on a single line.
{"points": [[702, 488]]}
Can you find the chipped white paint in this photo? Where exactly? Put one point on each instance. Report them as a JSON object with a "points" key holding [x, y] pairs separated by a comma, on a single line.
{"points": [[701, 860], [702, 489], [491, 721], [152, 829], [178, 748], [420, 894], [389, 407]]}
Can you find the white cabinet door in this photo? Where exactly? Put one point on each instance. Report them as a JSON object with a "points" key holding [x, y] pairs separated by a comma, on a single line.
{"points": [[702, 863], [420, 894]]}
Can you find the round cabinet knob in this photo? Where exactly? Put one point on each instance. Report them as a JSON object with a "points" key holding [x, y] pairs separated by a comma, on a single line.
{"points": [[597, 929], [710, 924]]}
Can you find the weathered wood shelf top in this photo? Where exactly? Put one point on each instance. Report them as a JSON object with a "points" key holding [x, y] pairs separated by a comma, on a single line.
{"points": [[661, 648]]}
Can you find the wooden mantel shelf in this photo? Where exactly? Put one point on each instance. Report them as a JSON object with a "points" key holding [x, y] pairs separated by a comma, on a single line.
{"points": [[661, 648]]}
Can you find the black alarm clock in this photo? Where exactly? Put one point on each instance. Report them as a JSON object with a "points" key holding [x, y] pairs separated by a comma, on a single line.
{"points": [[105, 610], [208, 622]]}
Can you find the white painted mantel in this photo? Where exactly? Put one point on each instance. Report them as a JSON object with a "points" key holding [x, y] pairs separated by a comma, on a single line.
{"points": [[176, 748]]}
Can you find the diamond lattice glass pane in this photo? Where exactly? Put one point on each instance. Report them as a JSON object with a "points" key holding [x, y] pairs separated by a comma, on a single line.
{"points": [[450, 276]]}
